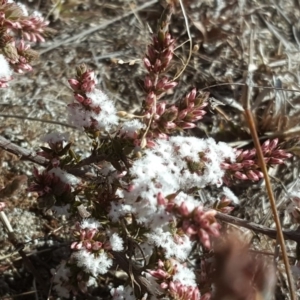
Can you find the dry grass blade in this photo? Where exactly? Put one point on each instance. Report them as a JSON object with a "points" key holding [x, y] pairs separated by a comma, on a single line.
{"points": [[190, 41], [246, 96], [38, 120]]}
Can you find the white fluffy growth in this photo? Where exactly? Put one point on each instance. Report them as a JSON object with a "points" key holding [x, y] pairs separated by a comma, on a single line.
{"points": [[104, 120], [185, 275], [130, 128], [230, 195], [122, 293], [65, 177], [92, 263], [24, 9], [164, 169], [116, 242], [90, 224], [165, 239], [5, 70]]}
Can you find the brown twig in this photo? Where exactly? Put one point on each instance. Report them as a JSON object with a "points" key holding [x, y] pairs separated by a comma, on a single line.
{"points": [[24, 153], [293, 235]]}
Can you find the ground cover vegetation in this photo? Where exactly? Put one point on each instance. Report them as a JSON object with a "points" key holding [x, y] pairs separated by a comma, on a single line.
{"points": [[166, 166]]}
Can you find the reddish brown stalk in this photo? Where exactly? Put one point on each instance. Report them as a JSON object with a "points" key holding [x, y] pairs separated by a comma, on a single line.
{"points": [[246, 96]]}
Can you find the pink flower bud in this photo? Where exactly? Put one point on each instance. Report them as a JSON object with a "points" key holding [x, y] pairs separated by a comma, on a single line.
{"points": [[130, 188], [172, 287], [161, 83], [79, 98], [157, 65], [161, 200], [265, 145], [164, 285], [273, 144], [190, 231], [252, 175], [236, 166], [247, 163], [198, 113], [88, 76], [78, 246], [225, 166], [248, 154], [168, 57], [151, 97], [88, 86], [97, 246], [259, 173], [150, 144], [151, 53], [148, 83], [91, 233], [87, 102], [191, 95], [159, 273], [160, 108], [182, 114], [240, 176], [2, 206], [187, 125], [88, 245], [168, 39], [281, 153], [147, 64], [39, 38], [170, 125], [170, 85], [183, 209], [196, 294], [73, 245], [276, 161]]}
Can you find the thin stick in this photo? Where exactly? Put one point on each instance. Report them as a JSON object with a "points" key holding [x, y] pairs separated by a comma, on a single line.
{"points": [[253, 86], [24, 153], [293, 235], [246, 96], [38, 120]]}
